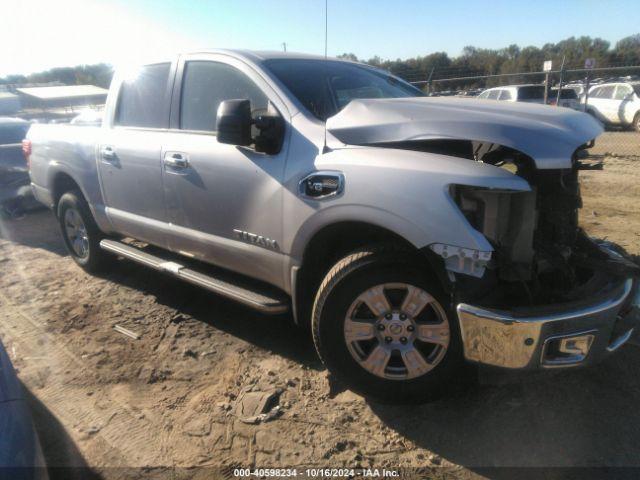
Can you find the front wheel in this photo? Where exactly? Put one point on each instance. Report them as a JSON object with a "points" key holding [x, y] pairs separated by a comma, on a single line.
{"points": [[383, 326], [80, 233]]}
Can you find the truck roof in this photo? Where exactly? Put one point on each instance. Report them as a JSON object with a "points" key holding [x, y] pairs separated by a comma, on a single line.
{"points": [[262, 55]]}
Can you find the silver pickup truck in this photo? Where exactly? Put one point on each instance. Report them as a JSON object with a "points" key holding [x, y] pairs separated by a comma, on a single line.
{"points": [[408, 233]]}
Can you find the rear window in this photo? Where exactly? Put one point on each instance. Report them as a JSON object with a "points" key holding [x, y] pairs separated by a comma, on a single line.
{"points": [[12, 133], [533, 92], [142, 99], [565, 94]]}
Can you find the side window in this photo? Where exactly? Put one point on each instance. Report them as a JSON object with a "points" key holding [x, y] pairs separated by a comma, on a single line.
{"points": [[505, 95], [205, 85], [622, 91], [607, 92], [493, 94], [141, 102]]}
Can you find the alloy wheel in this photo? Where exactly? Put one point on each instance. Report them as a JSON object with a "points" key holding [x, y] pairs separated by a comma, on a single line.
{"points": [[76, 233], [397, 331]]}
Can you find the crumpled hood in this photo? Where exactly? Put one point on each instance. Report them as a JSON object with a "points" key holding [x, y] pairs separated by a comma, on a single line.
{"points": [[547, 134]]}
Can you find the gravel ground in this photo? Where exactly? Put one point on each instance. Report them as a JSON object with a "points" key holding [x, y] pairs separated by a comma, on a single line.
{"points": [[105, 402]]}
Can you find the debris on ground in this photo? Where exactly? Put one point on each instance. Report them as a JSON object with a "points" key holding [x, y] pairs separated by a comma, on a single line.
{"points": [[256, 407], [127, 332]]}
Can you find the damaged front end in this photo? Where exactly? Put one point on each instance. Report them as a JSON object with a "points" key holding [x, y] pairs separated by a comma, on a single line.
{"points": [[541, 255], [547, 295], [551, 296]]}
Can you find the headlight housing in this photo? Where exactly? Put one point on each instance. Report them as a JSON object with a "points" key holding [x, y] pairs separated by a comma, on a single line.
{"points": [[507, 218]]}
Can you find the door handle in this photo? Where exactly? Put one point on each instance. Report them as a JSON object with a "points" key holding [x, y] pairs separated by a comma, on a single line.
{"points": [[108, 154], [176, 160]]}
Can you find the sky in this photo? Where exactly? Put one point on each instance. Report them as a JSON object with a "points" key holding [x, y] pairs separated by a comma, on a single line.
{"points": [[36, 35]]}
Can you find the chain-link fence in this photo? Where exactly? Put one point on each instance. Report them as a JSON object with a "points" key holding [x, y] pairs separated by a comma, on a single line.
{"points": [[612, 95]]}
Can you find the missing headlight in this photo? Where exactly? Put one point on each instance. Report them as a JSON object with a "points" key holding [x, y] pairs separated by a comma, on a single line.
{"points": [[507, 219]]}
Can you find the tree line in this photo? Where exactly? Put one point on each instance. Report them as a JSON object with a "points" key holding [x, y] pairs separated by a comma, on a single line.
{"points": [[99, 74], [472, 61], [513, 59]]}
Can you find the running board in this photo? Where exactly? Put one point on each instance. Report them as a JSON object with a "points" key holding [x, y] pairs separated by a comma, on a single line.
{"points": [[265, 302]]}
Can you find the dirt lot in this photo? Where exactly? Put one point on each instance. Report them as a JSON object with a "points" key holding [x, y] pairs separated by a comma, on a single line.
{"points": [[104, 401], [618, 143]]}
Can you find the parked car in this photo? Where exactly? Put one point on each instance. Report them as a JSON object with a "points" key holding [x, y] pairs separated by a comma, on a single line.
{"points": [[381, 219], [20, 452], [15, 190], [568, 98], [532, 93], [579, 88], [616, 104]]}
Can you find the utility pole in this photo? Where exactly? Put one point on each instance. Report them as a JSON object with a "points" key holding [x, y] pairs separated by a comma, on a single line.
{"points": [[284, 46], [589, 63], [429, 80], [560, 84], [546, 67]]}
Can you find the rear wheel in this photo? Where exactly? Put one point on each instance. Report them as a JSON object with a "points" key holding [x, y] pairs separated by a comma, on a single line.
{"points": [[382, 325], [80, 233]]}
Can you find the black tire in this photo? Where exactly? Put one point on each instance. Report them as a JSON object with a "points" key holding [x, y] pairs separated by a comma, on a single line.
{"points": [[636, 122], [348, 279], [95, 258]]}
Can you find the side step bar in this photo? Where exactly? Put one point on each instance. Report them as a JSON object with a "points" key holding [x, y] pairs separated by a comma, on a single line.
{"points": [[265, 302]]}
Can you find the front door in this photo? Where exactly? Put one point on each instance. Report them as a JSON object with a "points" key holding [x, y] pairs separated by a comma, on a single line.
{"points": [[224, 201]]}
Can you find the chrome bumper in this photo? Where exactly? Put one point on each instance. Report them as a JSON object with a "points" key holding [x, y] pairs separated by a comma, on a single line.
{"points": [[551, 336]]}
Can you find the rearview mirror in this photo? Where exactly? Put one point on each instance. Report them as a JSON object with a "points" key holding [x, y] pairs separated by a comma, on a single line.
{"points": [[234, 122]]}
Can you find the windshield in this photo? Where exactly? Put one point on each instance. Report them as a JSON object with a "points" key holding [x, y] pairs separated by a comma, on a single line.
{"points": [[326, 87], [636, 88]]}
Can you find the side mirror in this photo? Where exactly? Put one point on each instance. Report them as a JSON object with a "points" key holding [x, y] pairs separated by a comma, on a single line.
{"points": [[234, 122], [270, 131]]}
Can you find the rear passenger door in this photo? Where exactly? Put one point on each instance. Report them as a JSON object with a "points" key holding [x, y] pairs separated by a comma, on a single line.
{"points": [[219, 190], [607, 106], [129, 150]]}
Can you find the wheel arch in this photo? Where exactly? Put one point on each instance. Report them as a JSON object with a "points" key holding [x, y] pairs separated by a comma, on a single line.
{"points": [[61, 183], [334, 241], [61, 180]]}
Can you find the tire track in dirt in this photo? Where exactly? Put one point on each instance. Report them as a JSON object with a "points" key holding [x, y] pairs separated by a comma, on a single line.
{"points": [[105, 418]]}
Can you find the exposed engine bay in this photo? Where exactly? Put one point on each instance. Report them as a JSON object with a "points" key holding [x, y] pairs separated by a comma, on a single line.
{"points": [[541, 254]]}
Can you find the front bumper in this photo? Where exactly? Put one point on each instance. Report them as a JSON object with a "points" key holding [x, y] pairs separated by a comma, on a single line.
{"points": [[545, 337]]}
